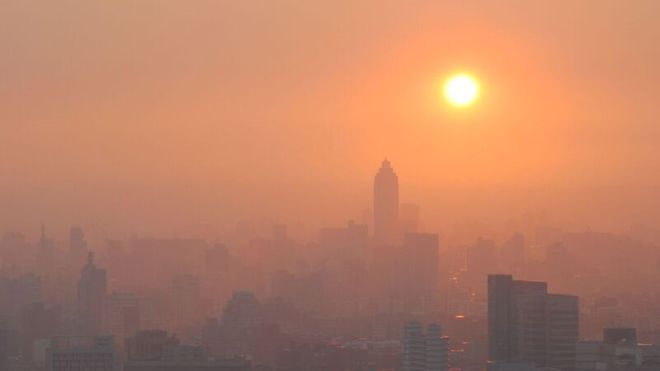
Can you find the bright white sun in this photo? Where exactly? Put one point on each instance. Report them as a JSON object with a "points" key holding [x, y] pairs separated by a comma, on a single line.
{"points": [[461, 90]]}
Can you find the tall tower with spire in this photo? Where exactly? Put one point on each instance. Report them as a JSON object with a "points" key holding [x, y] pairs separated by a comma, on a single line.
{"points": [[386, 205]]}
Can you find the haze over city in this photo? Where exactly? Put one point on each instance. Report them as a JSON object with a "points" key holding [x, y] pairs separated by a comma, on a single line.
{"points": [[155, 116], [286, 185]]}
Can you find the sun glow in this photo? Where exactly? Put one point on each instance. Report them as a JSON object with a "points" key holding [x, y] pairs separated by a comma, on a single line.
{"points": [[461, 90]]}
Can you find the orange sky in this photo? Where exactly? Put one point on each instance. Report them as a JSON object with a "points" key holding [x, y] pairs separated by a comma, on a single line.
{"points": [[153, 113]]}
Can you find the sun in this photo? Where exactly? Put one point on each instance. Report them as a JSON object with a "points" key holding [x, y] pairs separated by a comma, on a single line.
{"points": [[461, 90]]}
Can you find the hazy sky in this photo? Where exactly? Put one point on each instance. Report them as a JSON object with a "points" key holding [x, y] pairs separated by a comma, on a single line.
{"points": [[160, 113]]}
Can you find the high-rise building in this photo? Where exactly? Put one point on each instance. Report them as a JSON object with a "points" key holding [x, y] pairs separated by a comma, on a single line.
{"points": [[345, 242], [414, 347], [156, 350], [501, 322], [82, 353], [386, 205], [618, 350], [619, 335], [419, 265], [481, 260], [525, 323], [45, 254], [37, 321], [9, 347], [77, 245], [122, 314], [185, 298], [17, 293], [424, 351], [562, 330], [150, 345], [91, 296], [512, 253], [409, 218], [243, 310], [588, 356], [437, 349], [224, 364]]}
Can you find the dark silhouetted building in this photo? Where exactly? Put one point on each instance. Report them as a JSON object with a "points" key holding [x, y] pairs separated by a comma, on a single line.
{"points": [[424, 351], [386, 205], [150, 345], [619, 335], [9, 346], [38, 321], [77, 245], [91, 296], [527, 324], [619, 351], [82, 353], [156, 350]]}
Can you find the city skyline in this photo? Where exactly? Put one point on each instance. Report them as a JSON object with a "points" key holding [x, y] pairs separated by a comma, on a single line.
{"points": [[245, 301], [316, 185]]}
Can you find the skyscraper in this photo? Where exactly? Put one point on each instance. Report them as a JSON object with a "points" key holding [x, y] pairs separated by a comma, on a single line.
{"points": [[419, 267], [45, 253], [562, 330], [81, 353], [525, 323], [77, 244], [424, 352], [347, 242], [386, 205], [481, 259], [91, 296], [501, 322], [122, 314]]}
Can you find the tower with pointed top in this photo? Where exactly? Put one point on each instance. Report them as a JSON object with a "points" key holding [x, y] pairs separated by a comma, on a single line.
{"points": [[386, 205]]}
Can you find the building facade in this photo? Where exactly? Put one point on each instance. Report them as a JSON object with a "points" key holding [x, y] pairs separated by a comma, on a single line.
{"points": [[82, 354], [526, 324], [92, 289], [424, 351]]}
